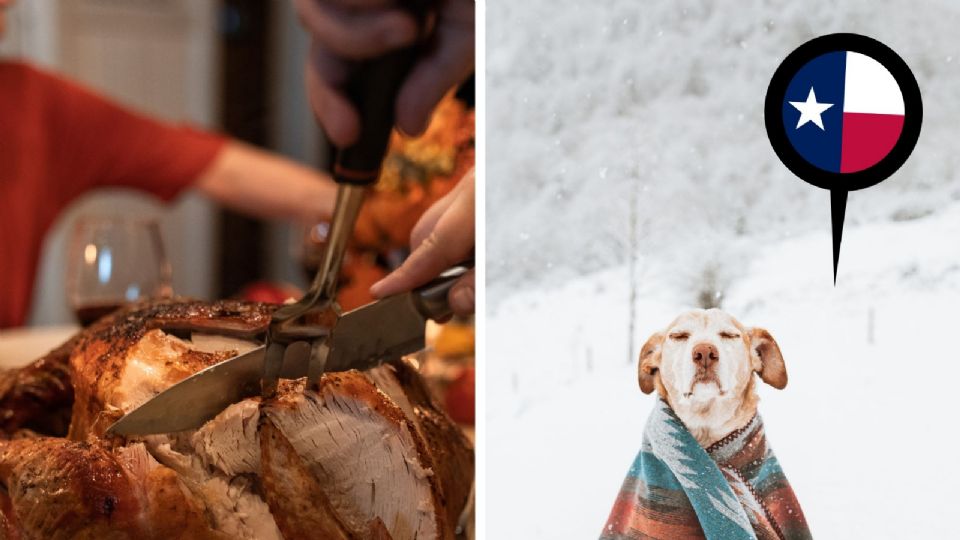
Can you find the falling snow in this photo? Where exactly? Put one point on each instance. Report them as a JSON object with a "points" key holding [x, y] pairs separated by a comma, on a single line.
{"points": [[660, 103]]}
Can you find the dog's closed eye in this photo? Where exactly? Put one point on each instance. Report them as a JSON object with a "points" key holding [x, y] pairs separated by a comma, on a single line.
{"points": [[729, 335], [680, 336]]}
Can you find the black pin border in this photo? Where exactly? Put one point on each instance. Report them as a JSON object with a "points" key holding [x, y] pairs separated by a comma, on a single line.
{"points": [[913, 112]]}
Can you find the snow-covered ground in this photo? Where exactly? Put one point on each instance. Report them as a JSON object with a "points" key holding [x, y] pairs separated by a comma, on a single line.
{"points": [[865, 430]]}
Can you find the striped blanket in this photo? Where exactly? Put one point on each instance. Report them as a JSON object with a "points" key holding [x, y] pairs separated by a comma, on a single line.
{"points": [[732, 490]]}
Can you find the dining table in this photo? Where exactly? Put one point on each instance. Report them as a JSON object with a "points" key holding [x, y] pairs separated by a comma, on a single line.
{"points": [[22, 345]]}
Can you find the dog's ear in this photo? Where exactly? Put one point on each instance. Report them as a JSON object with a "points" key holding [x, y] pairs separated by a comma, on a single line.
{"points": [[650, 362], [767, 359]]}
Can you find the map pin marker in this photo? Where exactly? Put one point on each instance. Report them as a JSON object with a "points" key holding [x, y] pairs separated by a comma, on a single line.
{"points": [[838, 207], [843, 113]]}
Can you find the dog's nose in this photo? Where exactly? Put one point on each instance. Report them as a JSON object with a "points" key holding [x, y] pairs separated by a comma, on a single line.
{"points": [[705, 355]]}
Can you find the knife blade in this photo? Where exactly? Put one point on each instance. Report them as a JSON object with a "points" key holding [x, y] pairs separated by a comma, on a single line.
{"points": [[398, 324], [361, 339], [196, 399]]}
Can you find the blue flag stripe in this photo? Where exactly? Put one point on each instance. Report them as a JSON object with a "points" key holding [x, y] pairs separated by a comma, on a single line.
{"points": [[826, 75]]}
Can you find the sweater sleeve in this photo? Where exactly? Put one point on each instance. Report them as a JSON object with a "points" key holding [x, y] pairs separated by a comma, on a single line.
{"points": [[99, 143]]}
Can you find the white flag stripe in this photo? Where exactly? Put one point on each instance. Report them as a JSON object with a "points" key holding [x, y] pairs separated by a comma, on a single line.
{"points": [[869, 87]]}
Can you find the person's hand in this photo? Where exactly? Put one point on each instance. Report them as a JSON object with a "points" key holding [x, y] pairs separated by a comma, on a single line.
{"points": [[442, 238], [346, 30]]}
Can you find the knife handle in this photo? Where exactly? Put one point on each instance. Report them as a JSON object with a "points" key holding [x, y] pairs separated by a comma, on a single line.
{"points": [[372, 87], [432, 300]]}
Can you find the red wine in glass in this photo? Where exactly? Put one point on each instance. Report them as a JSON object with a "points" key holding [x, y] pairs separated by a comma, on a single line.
{"points": [[113, 262]]}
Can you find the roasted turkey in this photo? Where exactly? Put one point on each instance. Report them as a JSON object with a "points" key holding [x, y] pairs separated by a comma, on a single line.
{"points": [[360, 455]]}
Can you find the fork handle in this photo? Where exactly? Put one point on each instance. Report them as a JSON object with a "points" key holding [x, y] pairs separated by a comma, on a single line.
{"points": [[372, 87]]}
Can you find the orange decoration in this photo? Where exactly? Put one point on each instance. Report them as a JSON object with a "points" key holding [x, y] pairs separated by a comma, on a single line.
{"points": [[417, 172]]}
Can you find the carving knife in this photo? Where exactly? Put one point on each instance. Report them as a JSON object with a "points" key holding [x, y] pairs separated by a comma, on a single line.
{"points": [[360, 339]]}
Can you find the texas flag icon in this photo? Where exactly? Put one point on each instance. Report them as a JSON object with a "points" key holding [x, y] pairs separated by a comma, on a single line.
{"points": [[843, 112]]}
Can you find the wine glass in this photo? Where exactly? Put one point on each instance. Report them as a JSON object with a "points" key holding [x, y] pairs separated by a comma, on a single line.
{"points": [[114, 261]]}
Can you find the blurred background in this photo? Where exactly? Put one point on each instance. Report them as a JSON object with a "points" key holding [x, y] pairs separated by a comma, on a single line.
{"points": [[233, 66]]}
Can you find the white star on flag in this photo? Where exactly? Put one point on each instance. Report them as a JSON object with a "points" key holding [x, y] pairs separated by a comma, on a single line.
{"points": [[810, 110]]}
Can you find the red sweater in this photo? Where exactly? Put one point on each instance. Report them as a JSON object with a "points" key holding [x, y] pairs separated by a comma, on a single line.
{"points": [[59, 141]]}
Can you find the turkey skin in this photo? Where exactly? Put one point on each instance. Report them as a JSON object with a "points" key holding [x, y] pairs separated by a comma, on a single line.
{"points": [[360, 455]]}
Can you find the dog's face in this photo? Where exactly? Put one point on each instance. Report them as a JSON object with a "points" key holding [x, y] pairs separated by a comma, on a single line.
{"points": [[703, 365]]}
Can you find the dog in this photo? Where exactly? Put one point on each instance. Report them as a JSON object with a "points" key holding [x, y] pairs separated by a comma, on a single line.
{"points": [[705, 469], [703, 366]]}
